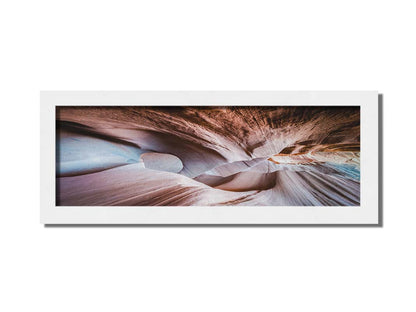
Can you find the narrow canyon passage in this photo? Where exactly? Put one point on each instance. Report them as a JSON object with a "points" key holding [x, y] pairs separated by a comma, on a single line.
{"points": [[208, 155]]}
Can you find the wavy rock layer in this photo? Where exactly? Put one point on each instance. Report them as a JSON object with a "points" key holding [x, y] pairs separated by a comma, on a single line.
{"points": [[144, 156]]}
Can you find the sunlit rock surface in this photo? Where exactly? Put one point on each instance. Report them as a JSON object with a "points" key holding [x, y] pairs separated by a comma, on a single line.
{"points": [[202, 156]]}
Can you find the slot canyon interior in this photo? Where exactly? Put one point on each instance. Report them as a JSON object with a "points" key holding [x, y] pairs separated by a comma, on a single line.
{"points": [[207, 155]]}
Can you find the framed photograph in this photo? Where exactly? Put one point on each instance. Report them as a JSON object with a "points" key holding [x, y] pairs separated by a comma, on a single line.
{"points": [[238, 157]]}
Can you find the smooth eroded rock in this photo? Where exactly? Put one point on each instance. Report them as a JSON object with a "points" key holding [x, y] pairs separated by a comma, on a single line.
{"points": [[162, 162]]}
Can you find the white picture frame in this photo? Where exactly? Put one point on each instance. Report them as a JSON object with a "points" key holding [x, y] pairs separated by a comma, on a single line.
{"points": [[366, 214]]}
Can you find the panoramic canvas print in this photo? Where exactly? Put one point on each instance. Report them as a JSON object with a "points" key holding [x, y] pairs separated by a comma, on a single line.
{"points": [[208, 155]]}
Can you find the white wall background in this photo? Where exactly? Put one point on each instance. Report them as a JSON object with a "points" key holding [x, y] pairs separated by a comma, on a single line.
{"points": [[205, 45]]}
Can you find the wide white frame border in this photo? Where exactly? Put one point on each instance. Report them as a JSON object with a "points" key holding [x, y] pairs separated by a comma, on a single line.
{"points": [[367, 213]]}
